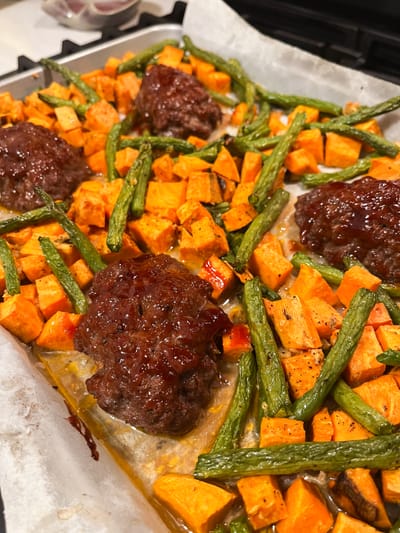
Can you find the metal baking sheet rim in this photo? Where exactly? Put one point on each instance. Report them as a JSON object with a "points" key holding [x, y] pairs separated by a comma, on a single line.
{"points": [[19, 85]]}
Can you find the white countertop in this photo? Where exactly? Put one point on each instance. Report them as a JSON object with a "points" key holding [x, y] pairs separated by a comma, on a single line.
{"points": [[27, 30]]}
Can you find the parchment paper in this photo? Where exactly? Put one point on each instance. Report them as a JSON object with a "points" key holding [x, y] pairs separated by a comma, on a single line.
{"points": [[48, 479]]}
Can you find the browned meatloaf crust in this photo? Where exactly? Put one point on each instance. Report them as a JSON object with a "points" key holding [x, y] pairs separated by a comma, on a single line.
{"points": [[359, 219], [30, 156], [153, 328], [174, 104]]}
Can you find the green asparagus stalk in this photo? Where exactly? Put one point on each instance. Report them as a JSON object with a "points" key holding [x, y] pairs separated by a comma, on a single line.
{"points": [[64, 276], [329, 273], [17, 222], [124, 201], [71, 77], [381, 452], [287, 101], [231, 430], [142, 177], [55, 101], [339, 355], [379, 143], [232, 68], [78, 238], [271, 375], [359, 168], [261, 223], [273, 164], [112, 145], [368, 112], [10, 269], [240, 525], [160, 143], [140, 60], [354, 405], [390, 357]]}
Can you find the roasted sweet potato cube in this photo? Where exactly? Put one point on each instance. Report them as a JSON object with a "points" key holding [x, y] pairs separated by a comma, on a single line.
{"points": [[51, 296], [251, 167], [110, 193], [187, 164], [321, 426], [360, 487], [67, 118], [281, 431], [209, 238], [94, 141], [101, 116], [309, 283], [21, 317], [58, 332], [238, 217], [379, 316], [164, 198], [239, 114], [389, 336], [293, 324], [363, 364], [170, 56], [73, 137], [89, 208], [190, 211], [301, 161], [236, 341], [203, 187], [346, 428], [81, 273], [152, 232], [345, 523], [302, 370], [124, 159], [162, 168], [263, 500], [242, 193], [225, 166], [187, 249], [353, 279], [325, 317], [272, 267], [312, 113], [217, 81], [307, 512], [383, 394], [129, 247], [219, 274], [200, 505], [391, 485], [97, 162], [34, 266], [341, 151], [311, 140]]}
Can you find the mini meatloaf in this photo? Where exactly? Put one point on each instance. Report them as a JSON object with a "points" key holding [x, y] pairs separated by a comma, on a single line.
{"points": [[175, 104], [359, 219], [154, 331], [33, 156]]}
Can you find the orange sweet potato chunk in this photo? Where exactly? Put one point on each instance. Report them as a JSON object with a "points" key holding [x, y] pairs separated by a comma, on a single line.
{"points": [[263, 500], [363, 364], [307, 513], [200, 505]]}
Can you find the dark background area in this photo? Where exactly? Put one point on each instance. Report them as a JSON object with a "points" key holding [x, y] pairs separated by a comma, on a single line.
{"points": [[361, 34]]}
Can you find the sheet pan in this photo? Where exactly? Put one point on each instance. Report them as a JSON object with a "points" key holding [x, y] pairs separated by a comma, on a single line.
{"points": [[48, 480]]}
